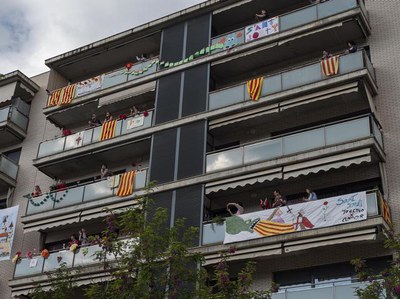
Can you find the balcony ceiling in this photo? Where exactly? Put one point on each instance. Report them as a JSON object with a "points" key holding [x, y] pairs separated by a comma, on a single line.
{"points": [[86, 162], [291, 53]]}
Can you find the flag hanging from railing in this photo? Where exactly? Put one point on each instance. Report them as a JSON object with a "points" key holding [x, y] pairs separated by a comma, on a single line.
{"points": [[125, 187], [254, 88], [62, 96], [108, 129], [385, 210], [330, 66], [54, 98]]}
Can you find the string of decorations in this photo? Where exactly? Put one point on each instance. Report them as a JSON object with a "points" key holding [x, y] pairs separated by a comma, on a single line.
{"points": [[44, 200]]}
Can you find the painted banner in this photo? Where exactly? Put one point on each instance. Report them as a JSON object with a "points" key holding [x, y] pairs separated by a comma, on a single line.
{"points": [[74, 140], [8, 218], [228, 41], [287, 219], [89, 85], [262, 29], [135, 122]]}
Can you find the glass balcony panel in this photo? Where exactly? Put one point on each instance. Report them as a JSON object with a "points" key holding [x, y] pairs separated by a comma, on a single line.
{"points": [[51, 147], [317, 293], [114, 78], [147, 122], [278, 296], [377, 133], [298, 18], [330, 8], [140, 180], [70, 197], [263, 151], [348, 291], [303, 141], [139, 67], [225, 159], [226, 97], [42, 205], [22, 106], [118, 128], [96, 134], [98, 190], [213, 233], [55, 260], [27, 267], [87, 137], [4, 114], [351, 62], [86, 255], [301, 76], [19, 119], [372, 204], [271, 85], [347, 131], [8, 167]]}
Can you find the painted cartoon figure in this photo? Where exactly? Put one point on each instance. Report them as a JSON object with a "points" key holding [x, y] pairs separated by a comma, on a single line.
{"points": [[236, 224], [302, 221]]}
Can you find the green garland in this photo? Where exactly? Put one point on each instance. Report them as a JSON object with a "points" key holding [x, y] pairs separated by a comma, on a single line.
{"points": [[48, 196]]}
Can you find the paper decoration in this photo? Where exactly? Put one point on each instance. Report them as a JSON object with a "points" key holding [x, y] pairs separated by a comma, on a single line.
{"points": [[8, 218], [108, 129], [309, 215], [135, 122], [125, 187], [330, 66], [254, 88], [54, 196], [33, 263], [89, 85], [261, 29]]}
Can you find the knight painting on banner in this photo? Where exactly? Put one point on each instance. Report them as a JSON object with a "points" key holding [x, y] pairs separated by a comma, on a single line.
{"points": [[8, 218], [298, 217], [261, 29], [89, 85], [135, 122]]}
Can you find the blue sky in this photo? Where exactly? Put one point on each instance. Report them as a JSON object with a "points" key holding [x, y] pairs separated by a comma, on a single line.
{"points": [[32, 31]]}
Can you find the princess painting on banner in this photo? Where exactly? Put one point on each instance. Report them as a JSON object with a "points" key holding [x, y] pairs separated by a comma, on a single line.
{"points": [[8, 219]]}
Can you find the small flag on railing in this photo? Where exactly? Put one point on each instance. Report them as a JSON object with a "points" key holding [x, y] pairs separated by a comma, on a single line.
{"points": [[330, 66], [108, 129], [125, 187], [254, 88], [67, 95]]}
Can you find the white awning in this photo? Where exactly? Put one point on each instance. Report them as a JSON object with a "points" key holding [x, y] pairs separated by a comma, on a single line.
{"points": [[127, 93]]}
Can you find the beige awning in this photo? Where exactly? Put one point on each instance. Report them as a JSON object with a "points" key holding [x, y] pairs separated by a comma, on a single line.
{"points": [[127, 93]]}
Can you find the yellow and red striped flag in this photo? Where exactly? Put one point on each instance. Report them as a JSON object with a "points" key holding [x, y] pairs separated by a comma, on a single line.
{"points": [[254, 88], [108, 129], [270, 228], [330, 66], [67, 94], [125, 187], [54, 98], [385, 209]]}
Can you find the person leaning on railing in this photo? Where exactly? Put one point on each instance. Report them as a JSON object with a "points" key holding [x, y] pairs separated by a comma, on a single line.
{"points": [[279, 200]]}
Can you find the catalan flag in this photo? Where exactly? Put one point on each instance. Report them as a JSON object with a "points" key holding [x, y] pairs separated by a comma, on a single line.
{"points": [[385, 210], [270, 228], [330, 66], [54, 98], [68, 93], [254, 88], [125, 187], [108, 129]]}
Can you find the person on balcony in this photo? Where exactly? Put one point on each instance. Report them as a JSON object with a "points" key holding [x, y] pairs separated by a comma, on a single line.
{"points": [[141, 58], [134, 111], [73, 240], [105, 172], [264, 204], [60, 185], [279, 200], [83, 239], [108, 117], [263, 15], [326, 55], [351, 47], [235, 209], [37, 192], [94, 121], [310, 195]]}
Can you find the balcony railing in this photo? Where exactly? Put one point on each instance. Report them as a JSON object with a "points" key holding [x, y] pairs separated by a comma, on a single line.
{"points": [[12, 114], [79, 194], [290, 144], [286, 80], [8, 167], [288, 21], [214, 233], [89, 136]]}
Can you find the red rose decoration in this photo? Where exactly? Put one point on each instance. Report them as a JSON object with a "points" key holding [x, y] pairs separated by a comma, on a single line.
{"points": [[129, 65], [145, 114], [122, 116], [18, 253], [325, 203]]}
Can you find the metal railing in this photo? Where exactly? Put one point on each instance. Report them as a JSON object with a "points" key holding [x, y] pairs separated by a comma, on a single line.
{"points": [[80, 194], [296, 142], [89, 136]]}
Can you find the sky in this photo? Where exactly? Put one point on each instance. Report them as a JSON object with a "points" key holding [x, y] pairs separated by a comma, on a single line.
{"points": [[32, 31]]}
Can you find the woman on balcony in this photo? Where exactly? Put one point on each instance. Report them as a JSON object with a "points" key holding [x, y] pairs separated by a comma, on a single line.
{"points": [[37, 192], [108, 117]]}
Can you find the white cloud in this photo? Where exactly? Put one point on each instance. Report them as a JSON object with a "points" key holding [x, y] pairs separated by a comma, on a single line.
{"points": [[32, 31]]}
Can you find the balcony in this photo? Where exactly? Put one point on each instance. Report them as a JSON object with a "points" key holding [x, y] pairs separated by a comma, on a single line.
{"points": [[58, 155], [16, 85], [8, 174], [298, 81], [367, 230], [13, 123]]}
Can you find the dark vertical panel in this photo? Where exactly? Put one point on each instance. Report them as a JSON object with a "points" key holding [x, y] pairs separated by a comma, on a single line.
{"points": [[163, 156], [195, 92], [168, 98], [172, 43], [198, 34], [162, 200], [191, 150]]}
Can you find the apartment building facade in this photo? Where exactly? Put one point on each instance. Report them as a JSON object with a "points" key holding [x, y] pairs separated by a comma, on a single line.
{"points": [[206, 142]]}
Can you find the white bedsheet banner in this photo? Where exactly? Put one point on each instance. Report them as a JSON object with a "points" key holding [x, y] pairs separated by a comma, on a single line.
{"points": [[287, 219], [8, 218]]}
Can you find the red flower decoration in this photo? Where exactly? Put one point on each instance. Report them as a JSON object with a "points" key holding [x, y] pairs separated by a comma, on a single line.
{"points": [[145, 113], [325, 203], [18, 253], [122, 116], [133, 164], [129, 65]]}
